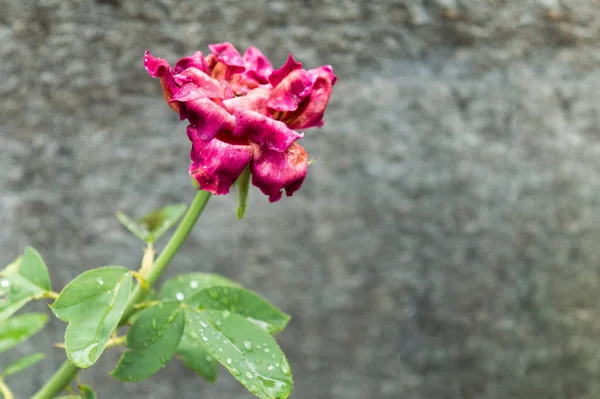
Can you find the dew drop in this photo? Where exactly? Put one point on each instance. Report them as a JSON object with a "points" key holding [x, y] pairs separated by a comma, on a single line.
{"points": [[267, 350], [249, 375], [270, 367], [4, 283], [209, 358], [163, 360], [193, 284], [253, 388], [234, 371], [100, 281], [248, 345], [179, 296], [285, 368], [226, 314], [203, 324], [213, 294], [228, 360], [204, 338]]}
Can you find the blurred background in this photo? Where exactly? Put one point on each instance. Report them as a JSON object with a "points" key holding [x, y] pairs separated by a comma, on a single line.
{"points": [[445, 242]]}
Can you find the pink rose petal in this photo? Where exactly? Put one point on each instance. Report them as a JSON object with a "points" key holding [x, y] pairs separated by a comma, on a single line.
{"points": [[289, 66], [216, 164], [263, 130], [207, 119], [274, 171], [290, 91]]}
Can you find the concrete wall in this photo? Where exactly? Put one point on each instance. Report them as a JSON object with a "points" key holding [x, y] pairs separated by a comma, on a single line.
{"points": [[445, 244]]}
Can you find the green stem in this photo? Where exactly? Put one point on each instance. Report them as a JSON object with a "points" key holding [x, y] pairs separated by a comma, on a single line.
{"points": [[63, 376], [5, 390]]}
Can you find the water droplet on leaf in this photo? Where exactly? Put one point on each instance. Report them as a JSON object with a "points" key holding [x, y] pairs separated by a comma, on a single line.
{"points": [[100, 281], [179, 296], [193, 284], [249, 375], [248, 345]]}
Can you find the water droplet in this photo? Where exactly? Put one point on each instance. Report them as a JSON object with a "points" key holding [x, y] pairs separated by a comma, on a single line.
{"points": [[209, 358], [285, 368], [226, 314], [203, 324], [219, 323], [253, 388], [267, 350], [193, 284], [228, 360], [204, 338], [179, 296], [248, 345], [214, 294], [220, 349], [249, 375], [234, 371], [154, 324], [100, 281], [163, 360], [270, 367]]}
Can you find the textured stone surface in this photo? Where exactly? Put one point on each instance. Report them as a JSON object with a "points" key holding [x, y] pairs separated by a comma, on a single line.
{"points": [[445, 242]]}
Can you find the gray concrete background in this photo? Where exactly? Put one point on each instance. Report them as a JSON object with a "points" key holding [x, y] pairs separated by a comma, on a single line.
{"points": [[444, 244]]}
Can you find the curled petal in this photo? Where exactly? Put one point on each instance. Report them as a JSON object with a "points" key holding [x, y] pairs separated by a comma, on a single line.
{"points": [[290, 92], [274, 135], [257, 65], [207, 119], [289, 66], [160, 68], [228, 55], [274, 171], [256, 100], [216, 164], [311, 110], [208, 86], [196, 60], [156, 67]]}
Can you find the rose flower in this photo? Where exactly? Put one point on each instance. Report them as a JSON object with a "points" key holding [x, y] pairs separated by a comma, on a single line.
{"points": [[242, 113]]}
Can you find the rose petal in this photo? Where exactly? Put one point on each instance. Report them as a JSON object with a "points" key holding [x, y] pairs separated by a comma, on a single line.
{"points": [[274, 171], [207, 119], [257, 65], [311, 110], [263, 130], [255, 100], [208, 86], [196, 60], [160, 68], [289, 66], [216, 164], [290, 92], [228, 55]]}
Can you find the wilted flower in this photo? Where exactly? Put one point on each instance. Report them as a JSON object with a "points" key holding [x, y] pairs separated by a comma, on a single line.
{"points": [[242, 112]]}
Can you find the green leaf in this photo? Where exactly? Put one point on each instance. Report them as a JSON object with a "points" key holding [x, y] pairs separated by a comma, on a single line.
{"points": [[195, 357], [86, 392], [18, 328], [249, 353], [24, 280], [243, 183], [185, 286], [152, 341], [152, 226], [92, 304], [243, 302], [22, 364]]}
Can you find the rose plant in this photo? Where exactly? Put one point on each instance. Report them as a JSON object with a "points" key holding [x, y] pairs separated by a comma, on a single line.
{"points": [[243, 116]]}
